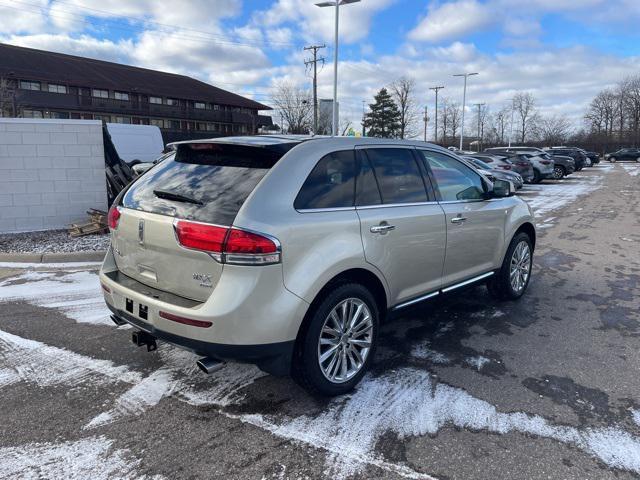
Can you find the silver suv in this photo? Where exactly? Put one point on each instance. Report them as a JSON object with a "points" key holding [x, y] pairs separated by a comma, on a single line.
{"points": [[288, 252]]}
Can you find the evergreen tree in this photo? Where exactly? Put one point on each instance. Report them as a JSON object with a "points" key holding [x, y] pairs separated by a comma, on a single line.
{"points": [[383, 118]]}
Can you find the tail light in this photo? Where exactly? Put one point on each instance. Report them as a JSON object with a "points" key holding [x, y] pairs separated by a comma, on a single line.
{"points": [[228, 245], [183, 320], [505, 167], [545, 162], [113, 217], [522, 164]]}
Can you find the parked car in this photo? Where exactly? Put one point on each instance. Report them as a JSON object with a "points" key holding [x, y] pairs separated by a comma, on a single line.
{"points": [[563, 166], [594, 156], [542, 164], [624, 154], [289, 252], [578, 156], [520, 165], [495, 173], [496, 161]]}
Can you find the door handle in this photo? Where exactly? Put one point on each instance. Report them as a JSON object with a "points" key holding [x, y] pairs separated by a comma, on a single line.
{"points": [[382, 228], [458, 220]]}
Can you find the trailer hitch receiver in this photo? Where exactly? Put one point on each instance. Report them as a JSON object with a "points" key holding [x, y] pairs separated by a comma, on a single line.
{"points": [[141, 338]]}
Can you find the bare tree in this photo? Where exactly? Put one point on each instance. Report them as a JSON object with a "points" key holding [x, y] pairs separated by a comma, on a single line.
{"points": [[403, 90], [295, 105], [500, 124], [454, 112], [524, 105], [7, 93], [553, 130], [481, 119]]}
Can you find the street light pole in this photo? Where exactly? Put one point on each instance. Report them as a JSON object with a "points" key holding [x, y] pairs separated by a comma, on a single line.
{"points": [[334, 116], [464, 101]]}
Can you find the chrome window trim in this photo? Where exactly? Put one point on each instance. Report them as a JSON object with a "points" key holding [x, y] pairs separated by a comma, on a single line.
{"points": [[391, 205], [327, 209], [446, 202]]}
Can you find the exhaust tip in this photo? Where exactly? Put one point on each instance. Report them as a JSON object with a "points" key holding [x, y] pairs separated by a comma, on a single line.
{"points": [[209, 365]]}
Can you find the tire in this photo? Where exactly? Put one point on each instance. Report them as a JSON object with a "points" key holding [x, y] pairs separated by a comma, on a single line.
{"points": [[559, 172], [612, 159], [308, 371], [500, 285]]}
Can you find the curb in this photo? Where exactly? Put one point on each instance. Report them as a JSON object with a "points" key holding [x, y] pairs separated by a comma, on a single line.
{"points": [[68, 257]]}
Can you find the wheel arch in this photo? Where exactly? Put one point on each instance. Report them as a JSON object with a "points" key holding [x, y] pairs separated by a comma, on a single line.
{"points": [[530, 230], [353, 275]]}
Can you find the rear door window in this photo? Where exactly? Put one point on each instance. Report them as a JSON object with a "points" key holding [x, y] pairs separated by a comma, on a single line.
{"points": [[398, 175], [205, 182], [455, 181], [331, 183]]}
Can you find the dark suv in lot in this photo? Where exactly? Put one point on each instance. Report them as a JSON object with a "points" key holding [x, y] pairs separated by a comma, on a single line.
{"points": [[576, 153], [632, 154]]}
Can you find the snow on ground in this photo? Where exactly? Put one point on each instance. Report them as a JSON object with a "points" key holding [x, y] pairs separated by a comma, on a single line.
{"points": [[478, 362], [406, 401], [547, 197], [635, 414], [632, 169], [77, 294], [409, 403], [92, 457], [51, 241]]}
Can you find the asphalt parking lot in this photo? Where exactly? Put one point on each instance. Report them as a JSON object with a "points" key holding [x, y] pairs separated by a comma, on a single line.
{"points": [[544, 388]]}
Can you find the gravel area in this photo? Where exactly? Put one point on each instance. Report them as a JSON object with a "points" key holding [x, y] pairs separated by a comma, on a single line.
{"points": [[51, 241]]}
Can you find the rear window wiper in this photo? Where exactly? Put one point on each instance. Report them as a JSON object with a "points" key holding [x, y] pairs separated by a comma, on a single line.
{"points": [[178, 197]]}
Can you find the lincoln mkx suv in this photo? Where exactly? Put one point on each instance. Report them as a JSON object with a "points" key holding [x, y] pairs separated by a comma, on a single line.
{"points": [[289, 252]]}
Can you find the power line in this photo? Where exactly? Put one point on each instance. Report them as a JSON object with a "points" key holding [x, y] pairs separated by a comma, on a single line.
{"points": [[314, 62], [436, 89]]}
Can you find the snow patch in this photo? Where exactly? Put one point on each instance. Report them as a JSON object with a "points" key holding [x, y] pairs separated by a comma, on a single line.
{"points": [[635, 414], [35, 362], [409, 403], [77, 294], [633, 170], [478, 362], [424, 352], [552, 197], [92, 457], [138, 399]]}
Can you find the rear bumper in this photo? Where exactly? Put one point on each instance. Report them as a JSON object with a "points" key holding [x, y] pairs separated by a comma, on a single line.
{"points": [[273, 358]]}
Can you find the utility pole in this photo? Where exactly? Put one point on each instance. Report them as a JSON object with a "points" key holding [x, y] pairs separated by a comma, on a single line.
{"points": [[363, 131], [314, 62], [426, 119], [436, 127], [479, 105], [464, 101]]}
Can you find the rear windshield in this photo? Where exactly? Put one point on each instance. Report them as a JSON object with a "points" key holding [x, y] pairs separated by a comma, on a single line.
{"points": [[205, 182]]}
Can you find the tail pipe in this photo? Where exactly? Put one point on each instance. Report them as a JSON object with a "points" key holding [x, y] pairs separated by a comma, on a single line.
{"points": [[209, 365]]}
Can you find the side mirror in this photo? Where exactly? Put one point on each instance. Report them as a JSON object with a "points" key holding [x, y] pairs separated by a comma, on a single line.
{"points": [[502, 188], [141, 168]]}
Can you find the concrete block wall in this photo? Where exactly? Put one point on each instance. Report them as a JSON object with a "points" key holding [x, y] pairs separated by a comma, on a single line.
{"points": [[51, 172]]}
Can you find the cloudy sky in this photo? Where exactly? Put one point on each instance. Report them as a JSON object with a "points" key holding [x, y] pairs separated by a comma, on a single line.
{"points": [[563, 51]]}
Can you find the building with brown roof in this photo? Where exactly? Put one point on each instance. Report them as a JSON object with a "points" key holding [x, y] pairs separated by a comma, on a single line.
{"points": [[41, 84]]}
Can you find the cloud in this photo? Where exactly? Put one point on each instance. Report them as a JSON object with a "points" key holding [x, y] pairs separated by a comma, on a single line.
{"points": [[317, 24], [452, 20]]}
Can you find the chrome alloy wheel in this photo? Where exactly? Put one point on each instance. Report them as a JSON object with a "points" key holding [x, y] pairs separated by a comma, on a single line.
{"points": [[520, 267], [345, 340]]}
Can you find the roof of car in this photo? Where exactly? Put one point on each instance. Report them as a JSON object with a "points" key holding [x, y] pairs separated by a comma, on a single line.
{"points": [[271, 140]]}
